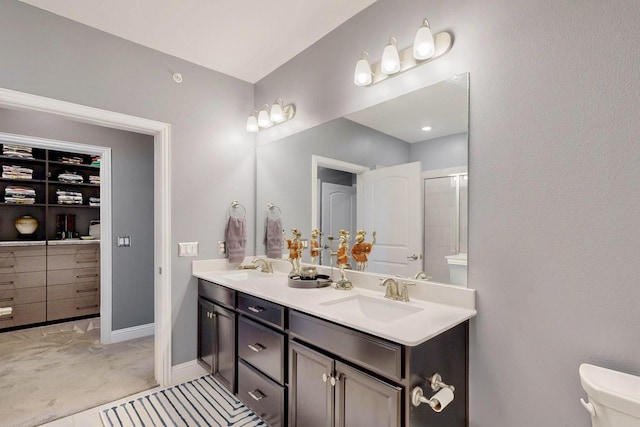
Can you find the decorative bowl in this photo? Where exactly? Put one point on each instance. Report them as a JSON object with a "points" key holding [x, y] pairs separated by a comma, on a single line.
{"points": [[26, 224]]}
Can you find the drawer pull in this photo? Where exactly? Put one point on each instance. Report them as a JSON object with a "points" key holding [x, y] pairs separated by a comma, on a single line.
{"points": [[7, 266], [256, 347], [81, 291], [255, 309], [85, 276], [86, 261], [10, 282], [257, 395], [6, 318], [87, 306], [6, 299]]}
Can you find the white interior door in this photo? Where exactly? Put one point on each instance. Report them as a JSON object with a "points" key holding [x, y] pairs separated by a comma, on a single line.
{"points": [[339, 204], [392, 207]]}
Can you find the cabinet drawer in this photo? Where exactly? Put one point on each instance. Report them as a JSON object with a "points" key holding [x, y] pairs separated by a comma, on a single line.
{"points": [[262, 347], [22, 251], [73, 307], [86, 250], [262, 310], [24, 314], [74, 275], [19, 264], [22, 296], [29, 279], [264, 396], [217, 293], [73, 290], [373, 353], [78, 260]]}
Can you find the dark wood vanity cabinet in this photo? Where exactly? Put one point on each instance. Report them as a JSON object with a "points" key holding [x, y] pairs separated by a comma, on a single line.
{"points": [[217, 332]]}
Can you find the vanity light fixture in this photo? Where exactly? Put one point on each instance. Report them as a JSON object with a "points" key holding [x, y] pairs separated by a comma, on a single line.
{"points": [[270, 116], [426, 128], [426, 47]]}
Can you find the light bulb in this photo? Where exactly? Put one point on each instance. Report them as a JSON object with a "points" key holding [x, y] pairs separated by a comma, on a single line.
{"points": [[263, 117], [362, 74], [276, 115], [252, 123], [423, 45], [390, 58]]}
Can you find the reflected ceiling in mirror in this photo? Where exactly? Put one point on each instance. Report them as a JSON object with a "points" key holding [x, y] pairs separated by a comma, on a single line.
{"points": [[377, 138]]}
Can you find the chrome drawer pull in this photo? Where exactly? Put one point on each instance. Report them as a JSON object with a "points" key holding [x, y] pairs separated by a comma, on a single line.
{"points": [[87, 306], [6, 299], [257, 395], [85, 276], [255, 309], [80, 291], [10, 282], [256, 347]]}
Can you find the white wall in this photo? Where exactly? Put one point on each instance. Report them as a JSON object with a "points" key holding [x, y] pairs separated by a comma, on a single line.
{"points": [[554, 155]]}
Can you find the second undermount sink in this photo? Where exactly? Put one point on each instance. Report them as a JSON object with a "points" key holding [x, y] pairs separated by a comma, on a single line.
{"points": [[373, 308], [239, 276]]}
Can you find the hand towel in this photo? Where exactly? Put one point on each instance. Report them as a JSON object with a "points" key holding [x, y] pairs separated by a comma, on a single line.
{"points": [[236, 237], [273, 237]]}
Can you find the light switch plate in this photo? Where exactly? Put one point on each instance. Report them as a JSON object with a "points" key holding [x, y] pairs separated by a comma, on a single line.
{"points": [[124, 241], [188, 249]]}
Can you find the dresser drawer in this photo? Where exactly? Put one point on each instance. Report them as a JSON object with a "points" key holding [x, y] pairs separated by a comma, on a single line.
{"points": [[87, 250], [21, 251], [30, 279], [20, 264], [262, 347], [24, 314], [263, 310], [264, 396], [78, 260], [74, 275], [73, 290], [73, 307], [22, 296], [217, 293], [373, 353]]}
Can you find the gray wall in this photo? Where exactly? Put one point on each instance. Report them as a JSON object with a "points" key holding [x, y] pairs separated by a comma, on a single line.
{"points": [[54, 57], [440, 153], [554, 157], [132, 204], [284, 167]]}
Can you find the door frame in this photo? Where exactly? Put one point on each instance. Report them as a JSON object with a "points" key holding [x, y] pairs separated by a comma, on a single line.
{"points": [[161, 133]]}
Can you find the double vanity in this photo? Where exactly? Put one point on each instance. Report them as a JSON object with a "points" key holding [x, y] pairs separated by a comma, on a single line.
{"points": [[325, 357]]}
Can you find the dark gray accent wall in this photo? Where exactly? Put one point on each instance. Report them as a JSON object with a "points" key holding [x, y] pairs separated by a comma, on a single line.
{"points": [[212, 156], [440, 153], [554, 155], [132, 204]]}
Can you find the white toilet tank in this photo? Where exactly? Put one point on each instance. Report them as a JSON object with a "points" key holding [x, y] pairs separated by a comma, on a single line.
{"points": [[614, 397]]}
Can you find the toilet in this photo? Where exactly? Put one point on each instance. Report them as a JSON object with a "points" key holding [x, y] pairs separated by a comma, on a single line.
{"points": [[614, 397]]}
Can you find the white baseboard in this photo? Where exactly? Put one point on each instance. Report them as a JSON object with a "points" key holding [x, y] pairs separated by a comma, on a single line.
{"points": [[186, 372], [132, 333]]}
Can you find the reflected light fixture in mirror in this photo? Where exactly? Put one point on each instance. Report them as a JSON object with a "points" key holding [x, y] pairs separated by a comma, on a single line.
{"points": [[270, 116], [425, 48]]}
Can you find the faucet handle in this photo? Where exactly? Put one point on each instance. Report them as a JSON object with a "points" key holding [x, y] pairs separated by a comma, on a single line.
{"points": [[404, 293]]}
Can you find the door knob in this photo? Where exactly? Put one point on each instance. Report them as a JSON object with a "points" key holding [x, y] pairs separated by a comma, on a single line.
{"points": [[413, 257]]}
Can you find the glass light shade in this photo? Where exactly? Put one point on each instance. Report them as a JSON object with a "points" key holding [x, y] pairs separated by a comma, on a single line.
{"points": [[276, 115], [263, 118], [362, 74], [252, 124], [390, 58], [423, 45]]}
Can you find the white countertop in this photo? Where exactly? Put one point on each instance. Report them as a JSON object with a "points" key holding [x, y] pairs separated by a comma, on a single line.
{"points": [[447, 307]]}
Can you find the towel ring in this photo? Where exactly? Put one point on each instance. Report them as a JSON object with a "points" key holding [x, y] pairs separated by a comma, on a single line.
{"points": [[234, 206], [272, 208]]}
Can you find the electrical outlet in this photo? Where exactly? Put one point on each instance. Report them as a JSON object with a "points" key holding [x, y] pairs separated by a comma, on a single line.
{"points": [[188, 249], [222, 247]]}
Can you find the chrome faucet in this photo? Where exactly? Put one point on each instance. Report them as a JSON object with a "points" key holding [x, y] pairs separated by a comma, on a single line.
{"points": [[391, 291], [422, 276], [267, 267]]}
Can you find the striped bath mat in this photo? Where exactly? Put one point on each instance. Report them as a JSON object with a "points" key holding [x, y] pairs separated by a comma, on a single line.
{"points": [[200, 402]]}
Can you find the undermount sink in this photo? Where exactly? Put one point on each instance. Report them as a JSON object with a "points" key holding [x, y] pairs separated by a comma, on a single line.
{"points": [[373, 308], [239, 276]]}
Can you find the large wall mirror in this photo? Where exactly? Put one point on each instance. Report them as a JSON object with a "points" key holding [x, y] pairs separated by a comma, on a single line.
{"points": [[399, 168]]}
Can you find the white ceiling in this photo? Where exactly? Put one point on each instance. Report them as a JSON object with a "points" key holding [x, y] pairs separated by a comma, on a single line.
{"points": [[247, 39]]}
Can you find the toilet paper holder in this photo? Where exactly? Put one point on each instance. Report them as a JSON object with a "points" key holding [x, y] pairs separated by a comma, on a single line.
{"points": [[444, 394]]}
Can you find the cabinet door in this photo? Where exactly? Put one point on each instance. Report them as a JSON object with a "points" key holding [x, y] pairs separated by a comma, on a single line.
{"points": [[224, 348], [310, 389], [205, 334], [362, 400]]}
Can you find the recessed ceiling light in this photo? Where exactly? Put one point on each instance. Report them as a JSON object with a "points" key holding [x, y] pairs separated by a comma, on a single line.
{"points": [[426, 128]]}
